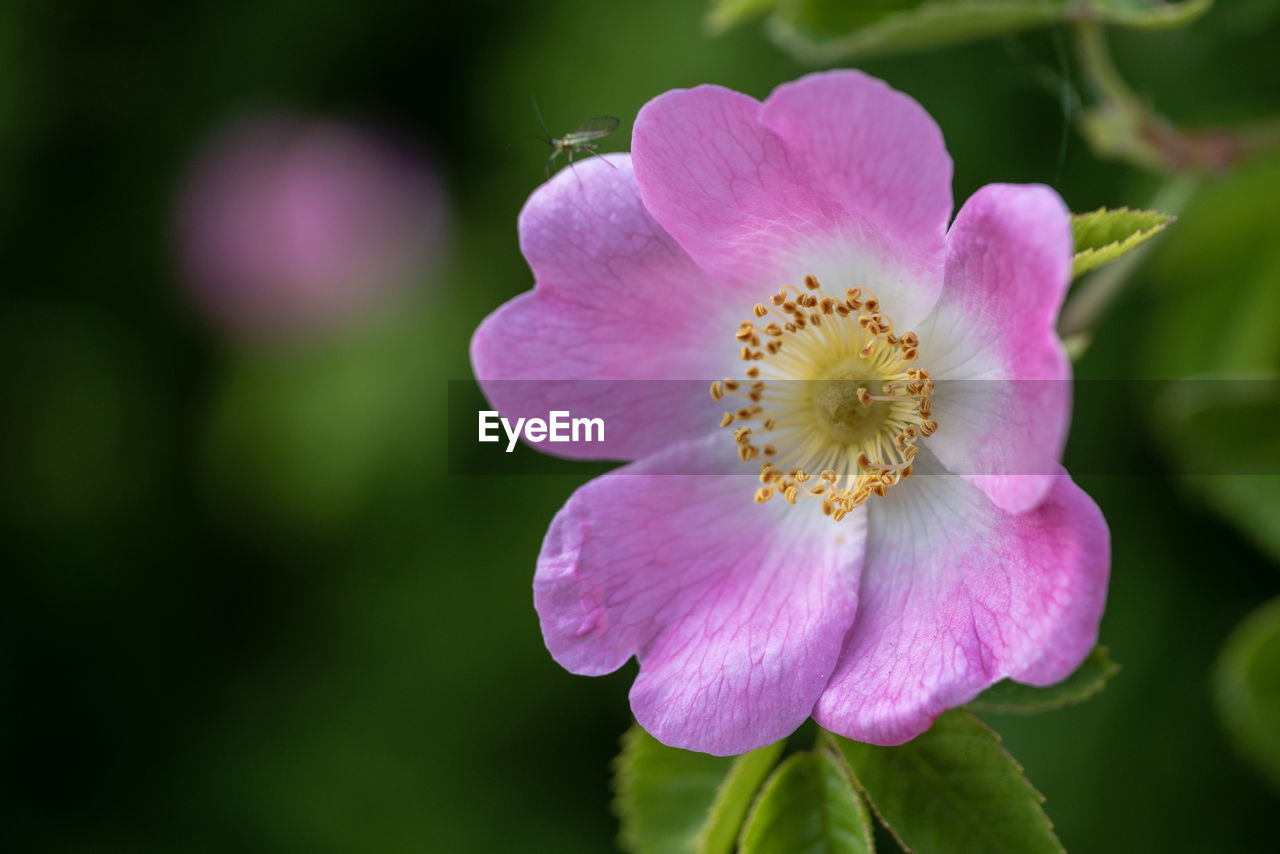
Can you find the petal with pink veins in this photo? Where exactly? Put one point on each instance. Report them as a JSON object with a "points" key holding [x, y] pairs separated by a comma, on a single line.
{"points": [[958, 594], [1003, 393], [742, 187], [619, 313], [735, 611]]}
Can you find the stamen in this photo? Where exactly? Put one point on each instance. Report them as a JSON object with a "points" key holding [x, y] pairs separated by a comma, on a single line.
{"points": [[840, 397]]}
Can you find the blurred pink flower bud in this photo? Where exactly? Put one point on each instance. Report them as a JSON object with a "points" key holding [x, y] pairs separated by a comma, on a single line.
{"points": [[286, 224]]}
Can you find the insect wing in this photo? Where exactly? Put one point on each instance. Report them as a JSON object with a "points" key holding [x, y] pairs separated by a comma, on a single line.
{"points": [[594, 128]]}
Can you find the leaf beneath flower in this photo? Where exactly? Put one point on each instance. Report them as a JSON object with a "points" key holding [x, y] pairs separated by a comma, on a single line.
{"points": [[1104, 235], [672, 800], [1010, 697], [808, 805], [954, 788], [1246, 683]]}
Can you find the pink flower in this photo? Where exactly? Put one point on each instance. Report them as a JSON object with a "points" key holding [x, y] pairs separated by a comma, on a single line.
{"points": [[886, 529], [286, 224]]}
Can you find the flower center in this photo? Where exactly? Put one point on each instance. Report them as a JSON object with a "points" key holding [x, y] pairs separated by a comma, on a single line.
{"points": [[829, 393]]}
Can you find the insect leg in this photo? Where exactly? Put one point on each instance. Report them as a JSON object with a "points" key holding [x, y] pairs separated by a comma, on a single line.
{"points": [[591, 149]]}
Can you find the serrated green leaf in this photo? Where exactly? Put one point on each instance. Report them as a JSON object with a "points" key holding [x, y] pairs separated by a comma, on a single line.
{"points": [[954, 788], [1010, 697], [1104, 235], [1246, 683], [727, 14], [733, 799], [673, 801], [808, 806], [826, 31]]}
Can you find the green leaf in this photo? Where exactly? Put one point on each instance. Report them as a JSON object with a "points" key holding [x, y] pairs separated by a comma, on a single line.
{"points": [[1246, 683], [826, 31], [1104, 235], [672, 800], [808, 806], [734, 798], [954, 788], [1009, 697]]}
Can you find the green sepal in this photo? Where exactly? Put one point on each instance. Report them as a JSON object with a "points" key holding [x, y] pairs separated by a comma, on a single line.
{"points": [[1089, 678], [673, 801], [1246, 683], [953, 788], [808, 805], [1104, 235]]}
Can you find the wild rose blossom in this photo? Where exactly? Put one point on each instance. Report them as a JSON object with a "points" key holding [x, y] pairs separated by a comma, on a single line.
{"points": [[886, 529]]}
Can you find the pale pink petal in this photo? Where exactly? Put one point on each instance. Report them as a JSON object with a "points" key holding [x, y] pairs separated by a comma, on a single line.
{"points": [[1003, 398], [958, 594], [879, 155], [735, 610], [618, 310], [754, 206]]}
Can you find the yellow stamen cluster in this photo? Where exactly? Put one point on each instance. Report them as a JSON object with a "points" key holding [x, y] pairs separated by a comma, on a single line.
{"points": [[840, 399]]}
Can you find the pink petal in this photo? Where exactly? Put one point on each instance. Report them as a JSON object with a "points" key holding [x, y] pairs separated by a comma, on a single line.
{"points": [[618, 308], [736, 611], [880, 156], [743, 188], [1003, 399], [958, 594]]}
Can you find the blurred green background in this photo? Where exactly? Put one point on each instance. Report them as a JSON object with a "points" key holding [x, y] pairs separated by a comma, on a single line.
{"points": [[247, 607]]}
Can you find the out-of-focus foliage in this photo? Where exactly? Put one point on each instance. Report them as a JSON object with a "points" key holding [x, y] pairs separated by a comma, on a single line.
{"points": [[830, 31], [303, 432], [1247, 690], [1009, 697], [1103, 235], [1216, 290]]}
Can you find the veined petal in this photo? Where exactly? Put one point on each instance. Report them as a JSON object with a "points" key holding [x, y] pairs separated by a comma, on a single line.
{"points": [[619, 309], [1003, 393], [958, 594], [882, 160], [736, 611], [752, 205]]}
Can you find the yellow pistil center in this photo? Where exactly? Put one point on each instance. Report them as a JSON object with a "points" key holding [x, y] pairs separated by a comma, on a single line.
{"points": [[832, 404]]}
